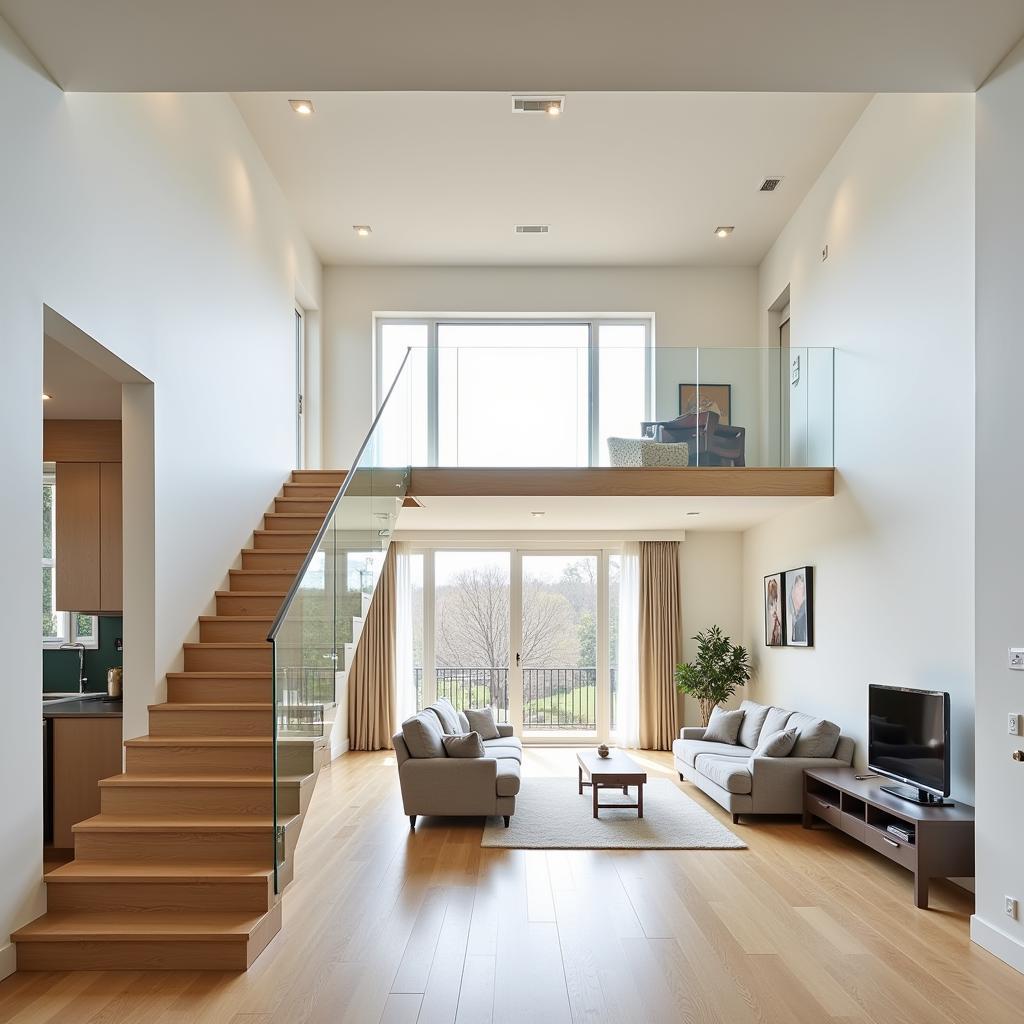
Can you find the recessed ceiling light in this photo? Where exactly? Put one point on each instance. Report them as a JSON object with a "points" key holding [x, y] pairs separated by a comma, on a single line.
{"points": [[362, 230], [724, 230], [536, 515], [46, 397], [539, 104], [304, 107], [531, 229], [554, 109]]}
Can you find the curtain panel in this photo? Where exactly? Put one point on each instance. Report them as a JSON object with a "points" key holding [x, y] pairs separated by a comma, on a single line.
{"points": [[660, 643], [372, 679]]}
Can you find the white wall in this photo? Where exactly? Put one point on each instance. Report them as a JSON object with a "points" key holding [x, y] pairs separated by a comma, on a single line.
{"points": [[999, 495], [152, 223], [710, 581], [892, 552], [713, 307]]}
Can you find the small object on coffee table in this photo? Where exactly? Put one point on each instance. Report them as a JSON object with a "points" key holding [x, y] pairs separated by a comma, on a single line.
{"points": [[602, 750], [617, 771]]}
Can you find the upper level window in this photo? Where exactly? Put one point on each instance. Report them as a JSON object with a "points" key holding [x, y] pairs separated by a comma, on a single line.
{"points": [[523, 392], [59, 627]]}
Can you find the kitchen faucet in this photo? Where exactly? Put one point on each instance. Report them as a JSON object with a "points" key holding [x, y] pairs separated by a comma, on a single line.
{"points": [[81, 662]]}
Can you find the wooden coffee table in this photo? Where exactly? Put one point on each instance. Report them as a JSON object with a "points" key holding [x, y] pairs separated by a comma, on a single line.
{"points": [[616, 771]]}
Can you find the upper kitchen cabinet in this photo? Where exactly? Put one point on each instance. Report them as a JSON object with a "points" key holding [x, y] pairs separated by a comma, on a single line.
{"points": [[88, 556]]}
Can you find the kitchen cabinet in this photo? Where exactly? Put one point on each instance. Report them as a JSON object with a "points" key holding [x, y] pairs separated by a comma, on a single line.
{"points": [[85, 749], [88, 558]]}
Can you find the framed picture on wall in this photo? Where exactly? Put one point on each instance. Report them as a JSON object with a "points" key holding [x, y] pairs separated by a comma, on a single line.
{"points": [[799, 624], [774, 611], [695, 398]]}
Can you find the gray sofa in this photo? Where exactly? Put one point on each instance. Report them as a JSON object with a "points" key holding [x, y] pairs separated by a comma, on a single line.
{"points": [[745, 784], [434, 783]]}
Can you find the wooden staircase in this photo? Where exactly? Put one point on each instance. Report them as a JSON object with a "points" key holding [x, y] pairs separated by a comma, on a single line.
{"points": [[176, 871]]}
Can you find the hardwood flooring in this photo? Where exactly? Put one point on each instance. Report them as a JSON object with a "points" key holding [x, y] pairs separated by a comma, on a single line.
{"points": [[384, 925]]}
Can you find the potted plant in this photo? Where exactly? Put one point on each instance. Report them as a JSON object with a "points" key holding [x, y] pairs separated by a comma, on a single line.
{"points": [[713, 676]]}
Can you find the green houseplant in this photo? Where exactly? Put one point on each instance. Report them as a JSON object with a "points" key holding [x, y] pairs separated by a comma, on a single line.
{"points": [[718, 669]]}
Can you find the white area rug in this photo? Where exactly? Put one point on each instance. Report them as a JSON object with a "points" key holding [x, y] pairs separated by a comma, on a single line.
{"points": [[551, 815]]}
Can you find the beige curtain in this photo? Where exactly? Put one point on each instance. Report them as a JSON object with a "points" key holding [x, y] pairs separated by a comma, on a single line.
{"points": [[661, 643], [372, 695]]}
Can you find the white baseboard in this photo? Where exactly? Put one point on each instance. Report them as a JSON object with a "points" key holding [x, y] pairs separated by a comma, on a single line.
{"points": [[8, 960], [341, 748], [998, 943]]}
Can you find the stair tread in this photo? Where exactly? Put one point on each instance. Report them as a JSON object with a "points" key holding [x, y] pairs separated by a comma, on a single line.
{"points": [[260, 572], [274, 551], [113, 926], [260, 617], [250, 781], [199, 741], [167, 823], [233, 644], [219, 674], [283, 533], [134, 871], [213, 706], [251, 593]]}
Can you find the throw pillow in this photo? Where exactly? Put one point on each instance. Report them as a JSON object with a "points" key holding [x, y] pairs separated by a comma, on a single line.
{"points": [[753, 722], [724, 726], [482, 721], [447, 715], [423, 736], [776, 744], [463, 722], [776, 720], [467, 744], [816, 737]]}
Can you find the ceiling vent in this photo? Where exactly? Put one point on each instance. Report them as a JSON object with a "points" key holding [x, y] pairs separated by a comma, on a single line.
{"points": [[531, 229], [550, 105], [770, 184]]}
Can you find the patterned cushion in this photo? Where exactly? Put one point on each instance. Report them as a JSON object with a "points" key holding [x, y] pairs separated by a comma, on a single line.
{"points": [[624, 451], [657, 453]]}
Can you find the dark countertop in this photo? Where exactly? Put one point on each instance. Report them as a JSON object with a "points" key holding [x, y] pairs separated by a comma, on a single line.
{"points": [[83, 709]]}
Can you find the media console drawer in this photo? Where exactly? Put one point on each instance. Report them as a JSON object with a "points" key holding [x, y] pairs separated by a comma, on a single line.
{"points": [[823, 809], [891, 847]]}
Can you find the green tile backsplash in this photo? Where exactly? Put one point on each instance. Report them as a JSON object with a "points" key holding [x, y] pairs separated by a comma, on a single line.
{"points": [[60, 668]]}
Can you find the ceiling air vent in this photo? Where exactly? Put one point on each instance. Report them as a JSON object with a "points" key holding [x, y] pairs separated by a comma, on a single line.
{"points": [[531, 229], [770, 184], [550, 105]]}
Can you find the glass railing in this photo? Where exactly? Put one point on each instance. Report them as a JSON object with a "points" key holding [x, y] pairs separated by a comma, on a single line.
{"points": [[592, 406], [316, 629]]}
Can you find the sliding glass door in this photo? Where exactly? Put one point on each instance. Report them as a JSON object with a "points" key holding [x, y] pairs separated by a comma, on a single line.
{"points": [[523, 631]]}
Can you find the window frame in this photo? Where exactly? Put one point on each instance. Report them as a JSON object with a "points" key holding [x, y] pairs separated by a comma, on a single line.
{"points": [[67, 622], [592, 321]]}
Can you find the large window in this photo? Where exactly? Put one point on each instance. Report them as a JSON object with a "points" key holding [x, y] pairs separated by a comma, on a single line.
{"points": [[59, 627], [529, 392]]}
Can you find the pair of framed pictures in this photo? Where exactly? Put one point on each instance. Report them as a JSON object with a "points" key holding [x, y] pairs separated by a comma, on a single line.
{"points": [[789, 608]]}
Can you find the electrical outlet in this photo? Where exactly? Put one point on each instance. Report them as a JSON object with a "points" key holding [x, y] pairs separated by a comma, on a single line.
{"points": [[824, 253], [1013, 725], [1010, 906], [118, 644]]}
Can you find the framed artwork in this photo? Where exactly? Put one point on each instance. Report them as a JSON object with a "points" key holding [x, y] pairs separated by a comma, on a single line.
{"points": [[774, 611], [799, 614], [713, 398]]}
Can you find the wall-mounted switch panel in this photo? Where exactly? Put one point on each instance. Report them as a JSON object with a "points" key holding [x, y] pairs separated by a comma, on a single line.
{"points": [[1011, 907], [1013, 725], [1015, 658]]}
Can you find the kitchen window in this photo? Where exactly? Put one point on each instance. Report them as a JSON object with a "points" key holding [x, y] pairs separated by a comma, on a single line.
{"points": [[59, 627]]}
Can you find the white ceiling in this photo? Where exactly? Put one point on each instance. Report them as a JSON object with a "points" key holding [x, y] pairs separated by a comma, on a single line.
{"points": [[802, 45], [621, 178], [77, 389], [513, 514]]}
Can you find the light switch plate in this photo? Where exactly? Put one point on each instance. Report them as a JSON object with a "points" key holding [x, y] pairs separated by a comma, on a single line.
{"points": [[1013, 725], [1015, 658], [1010, 906]]}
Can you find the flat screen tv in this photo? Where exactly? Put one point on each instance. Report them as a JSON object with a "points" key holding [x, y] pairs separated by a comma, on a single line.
{"points": [[908, 740]]}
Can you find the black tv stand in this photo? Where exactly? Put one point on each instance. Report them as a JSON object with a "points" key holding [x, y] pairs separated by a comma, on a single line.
{"points": [[917, 796]]}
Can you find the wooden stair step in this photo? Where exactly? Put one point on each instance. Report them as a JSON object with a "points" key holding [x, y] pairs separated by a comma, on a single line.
{"points": [[225, 793], [228, 657], [219, 687], [260, 579], [313, 475], [292, 540], [249, 602], [317, 506], [234, 628], [145, 940], [206, 755], [213, 719], [118, 885], [274, 558], [311, 490], [284, 522]]}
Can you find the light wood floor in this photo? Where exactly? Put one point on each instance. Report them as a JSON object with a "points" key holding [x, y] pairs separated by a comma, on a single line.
{"points": [[381, 925]]}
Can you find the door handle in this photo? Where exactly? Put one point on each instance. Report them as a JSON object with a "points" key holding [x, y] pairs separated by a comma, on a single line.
{"points": [[891, 842]]}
